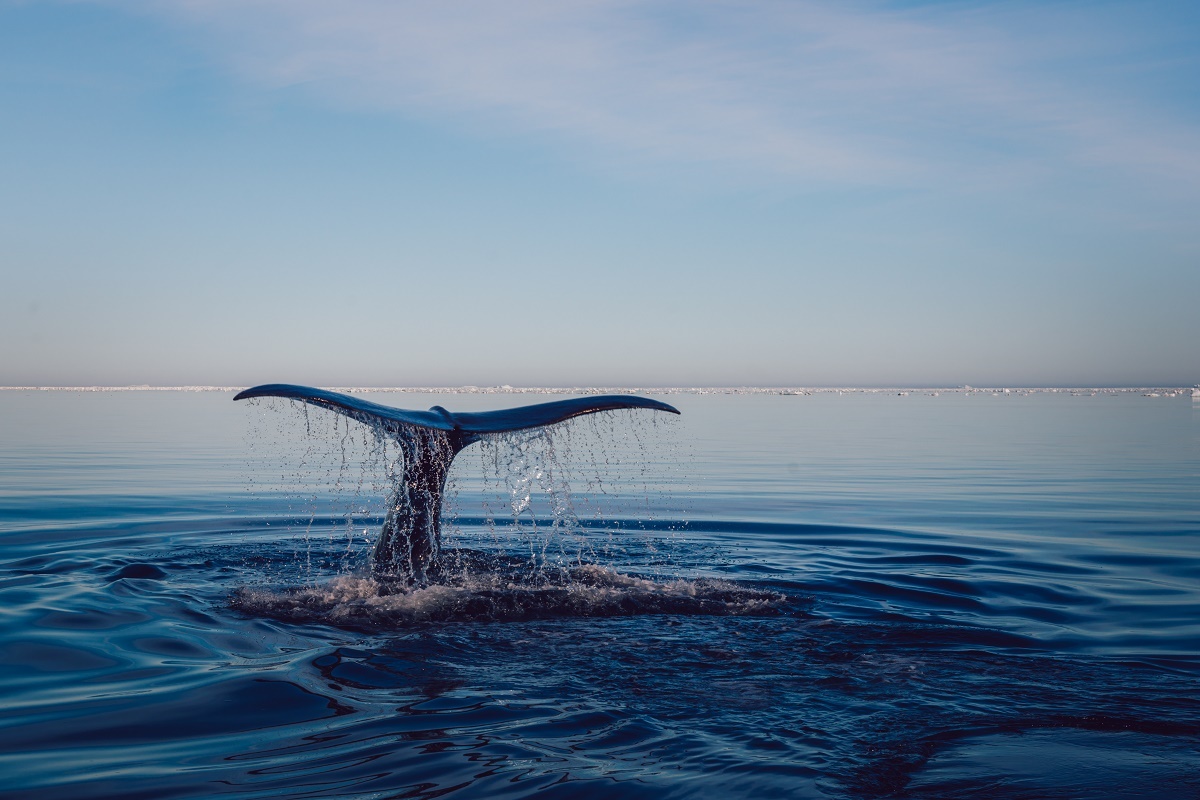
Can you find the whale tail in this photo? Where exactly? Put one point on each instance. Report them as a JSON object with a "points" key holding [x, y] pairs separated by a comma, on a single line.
{"points": [[410, 541]]}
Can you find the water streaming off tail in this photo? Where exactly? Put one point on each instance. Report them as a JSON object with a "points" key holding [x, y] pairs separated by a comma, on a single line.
{"points": [[575, 492], [540, 522]]}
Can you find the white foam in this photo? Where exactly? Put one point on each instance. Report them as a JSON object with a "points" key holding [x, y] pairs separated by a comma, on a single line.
{"points": [[590, 590]]}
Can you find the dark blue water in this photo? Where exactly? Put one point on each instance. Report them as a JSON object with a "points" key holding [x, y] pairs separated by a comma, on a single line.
{"points": [[857, 596]]}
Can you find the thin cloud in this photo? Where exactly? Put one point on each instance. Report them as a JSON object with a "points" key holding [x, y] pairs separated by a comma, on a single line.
{"points": [[828, 92]]}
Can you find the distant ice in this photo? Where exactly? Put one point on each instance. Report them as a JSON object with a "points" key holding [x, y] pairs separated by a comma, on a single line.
{"points": [[794, 391]]}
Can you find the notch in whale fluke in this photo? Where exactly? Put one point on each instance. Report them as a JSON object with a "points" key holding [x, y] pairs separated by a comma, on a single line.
{"points": [[438, 418]]}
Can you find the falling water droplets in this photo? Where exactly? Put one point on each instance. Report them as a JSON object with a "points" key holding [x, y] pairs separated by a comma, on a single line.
{"points": [[572, 509]]}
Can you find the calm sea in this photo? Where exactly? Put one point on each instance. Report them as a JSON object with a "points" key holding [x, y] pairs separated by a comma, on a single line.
{"points": [[826, 596]]}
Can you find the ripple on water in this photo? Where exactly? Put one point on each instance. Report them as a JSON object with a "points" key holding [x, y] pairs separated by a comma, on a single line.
{"points": [[1060, 763], [21, 655]]}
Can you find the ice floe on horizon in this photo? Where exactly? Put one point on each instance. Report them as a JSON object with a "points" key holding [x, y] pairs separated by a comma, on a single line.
{"points": [[795, 391]]}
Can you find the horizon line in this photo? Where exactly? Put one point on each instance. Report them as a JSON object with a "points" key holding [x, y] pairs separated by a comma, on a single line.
{"points": [[693, 389]]}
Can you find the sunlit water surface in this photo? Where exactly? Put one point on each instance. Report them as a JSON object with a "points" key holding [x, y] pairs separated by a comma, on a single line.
{"points": [[857, 596]]}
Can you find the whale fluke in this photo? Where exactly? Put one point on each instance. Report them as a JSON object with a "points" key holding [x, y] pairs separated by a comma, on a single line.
{"points": [[411, 538], [439, 419]]}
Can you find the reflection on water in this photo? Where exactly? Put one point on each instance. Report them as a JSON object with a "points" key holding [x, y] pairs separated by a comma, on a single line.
{"points": [[776, 596]]}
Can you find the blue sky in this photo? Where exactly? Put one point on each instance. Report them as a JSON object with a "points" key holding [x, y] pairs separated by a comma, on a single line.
{"points": [[599, 193]]}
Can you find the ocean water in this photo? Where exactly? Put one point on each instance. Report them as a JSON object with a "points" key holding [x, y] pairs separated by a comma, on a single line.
{"points": [[858, 596]]}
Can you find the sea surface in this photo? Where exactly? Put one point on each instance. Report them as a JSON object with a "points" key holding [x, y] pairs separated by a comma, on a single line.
{"points": [[869, 595]]}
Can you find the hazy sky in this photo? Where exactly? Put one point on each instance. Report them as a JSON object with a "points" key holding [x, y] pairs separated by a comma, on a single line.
{"points": [[599, 193]]}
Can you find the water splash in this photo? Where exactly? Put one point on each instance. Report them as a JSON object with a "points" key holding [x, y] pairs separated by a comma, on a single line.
{"points": [[555, 535], [501, 590]]}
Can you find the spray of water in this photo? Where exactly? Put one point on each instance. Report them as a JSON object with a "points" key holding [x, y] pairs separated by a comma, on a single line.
{"points": [[562, 519]]}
